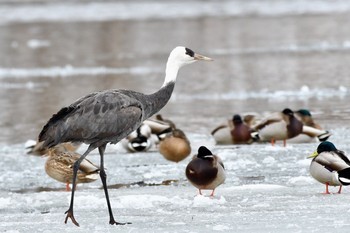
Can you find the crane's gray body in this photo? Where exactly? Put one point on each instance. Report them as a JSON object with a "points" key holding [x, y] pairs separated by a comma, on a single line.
{"points": [[109, 116], [102, 117]]}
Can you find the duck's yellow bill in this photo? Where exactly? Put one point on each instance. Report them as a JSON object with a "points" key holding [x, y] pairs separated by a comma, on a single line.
{"points": [[313, 155]]}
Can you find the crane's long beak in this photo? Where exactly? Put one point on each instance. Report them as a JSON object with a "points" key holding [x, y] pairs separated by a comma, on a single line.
{"points": [[201, 57], [313, 155]]}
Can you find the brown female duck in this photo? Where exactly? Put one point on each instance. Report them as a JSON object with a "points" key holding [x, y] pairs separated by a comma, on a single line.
{"points": [[60, 162]]}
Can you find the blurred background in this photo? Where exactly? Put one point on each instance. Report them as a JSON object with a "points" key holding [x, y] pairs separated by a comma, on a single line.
{"points": [[268, 54]]}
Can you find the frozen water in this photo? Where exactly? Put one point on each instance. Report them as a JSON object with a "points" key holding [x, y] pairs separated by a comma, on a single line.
{"points": [[268, 189]]}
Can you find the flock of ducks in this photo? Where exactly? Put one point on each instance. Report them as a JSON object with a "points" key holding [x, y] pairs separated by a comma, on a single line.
{"points": [[287, 126], [206, 171]]}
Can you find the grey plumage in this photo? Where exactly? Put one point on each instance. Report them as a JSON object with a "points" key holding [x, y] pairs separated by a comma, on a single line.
{"points": [[102, 117], [109, 116]]}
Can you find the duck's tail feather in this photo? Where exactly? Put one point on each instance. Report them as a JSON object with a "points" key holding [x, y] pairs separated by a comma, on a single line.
{"points": [[344, 176], [323, 137]]}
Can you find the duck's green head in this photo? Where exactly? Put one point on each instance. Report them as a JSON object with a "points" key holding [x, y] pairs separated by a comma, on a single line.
{"points": [[304, 112], [325, 146]]}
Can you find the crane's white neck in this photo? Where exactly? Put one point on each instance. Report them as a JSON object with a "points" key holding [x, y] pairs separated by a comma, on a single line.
{"points": [[172, 68]]}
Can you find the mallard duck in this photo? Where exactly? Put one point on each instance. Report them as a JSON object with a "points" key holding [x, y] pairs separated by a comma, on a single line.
{"points": [[35, 148], [175, 146], [305, 117], [236, 131], [279, 126], [330, 166], [250, 119], [311, 128], [60, 162], [160, 118], [222, 134], [241, 133], [310, 134], [159, 129], [205, 170], [139, 140]]}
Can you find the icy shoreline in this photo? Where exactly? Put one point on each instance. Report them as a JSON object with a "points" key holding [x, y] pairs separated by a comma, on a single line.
{"points": [[268, 189]]}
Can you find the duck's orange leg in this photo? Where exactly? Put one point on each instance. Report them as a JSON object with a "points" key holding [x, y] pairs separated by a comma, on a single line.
{"points": [[212, 193], [340, 188], [284, 142], [327, 191], [272, 142]]}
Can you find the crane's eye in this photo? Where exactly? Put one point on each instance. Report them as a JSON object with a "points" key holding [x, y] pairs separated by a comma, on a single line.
{"points": [[189, 52]]}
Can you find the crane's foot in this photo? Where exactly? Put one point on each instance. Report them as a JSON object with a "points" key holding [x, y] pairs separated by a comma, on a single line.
{"points": [[113, 222], [70, 215]]}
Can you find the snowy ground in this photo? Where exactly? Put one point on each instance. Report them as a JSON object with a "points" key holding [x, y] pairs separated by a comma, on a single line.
{"points": [[268, 189]]}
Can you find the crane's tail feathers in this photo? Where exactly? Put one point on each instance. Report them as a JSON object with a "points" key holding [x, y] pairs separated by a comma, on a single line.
{"points": [[48, 134], [344, 176]]}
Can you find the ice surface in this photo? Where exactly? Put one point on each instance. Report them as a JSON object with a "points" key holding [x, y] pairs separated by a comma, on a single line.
{"points": [[268, 189]]}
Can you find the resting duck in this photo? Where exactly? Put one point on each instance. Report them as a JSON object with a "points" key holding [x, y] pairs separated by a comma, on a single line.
{"points": [[175, 146], [330, 166], [235, 132], [160, 118], [205, 170], [279, 126], [139, 140], [305, 116], [35, 148], [241, 133], [312, 132], [60, 162]]}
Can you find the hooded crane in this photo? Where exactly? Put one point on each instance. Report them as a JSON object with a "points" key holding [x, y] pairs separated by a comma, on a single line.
{"points": [[109, 116]]}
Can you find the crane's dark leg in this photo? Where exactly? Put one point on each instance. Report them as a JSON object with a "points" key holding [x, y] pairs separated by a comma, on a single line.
{"points": [[103, 176], [76, 166]]}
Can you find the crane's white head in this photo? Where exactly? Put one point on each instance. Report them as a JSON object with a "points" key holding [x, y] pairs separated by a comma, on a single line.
{"points": [[181, 56]]}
